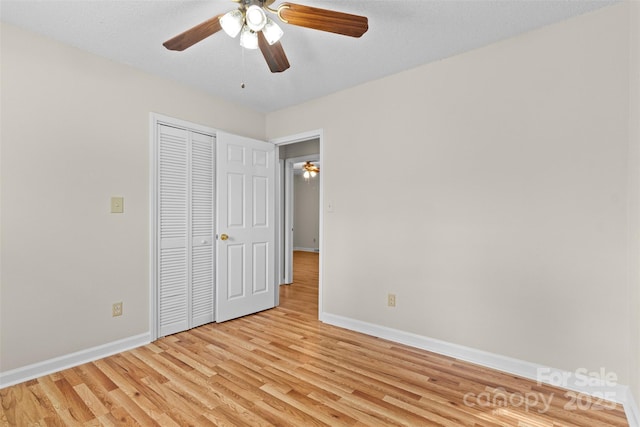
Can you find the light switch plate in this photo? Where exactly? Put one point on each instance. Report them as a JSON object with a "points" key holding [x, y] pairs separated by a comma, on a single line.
{"points": [[330, 207], [117, 205]]}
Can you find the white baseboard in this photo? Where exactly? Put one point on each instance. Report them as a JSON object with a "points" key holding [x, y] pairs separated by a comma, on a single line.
{"points": [[617, 393], [631, 409], [306, 249], [57, 364]]}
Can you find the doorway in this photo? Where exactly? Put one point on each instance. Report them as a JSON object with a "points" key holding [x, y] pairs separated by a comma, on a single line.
{"points": [[306, 206], [294, 149]]}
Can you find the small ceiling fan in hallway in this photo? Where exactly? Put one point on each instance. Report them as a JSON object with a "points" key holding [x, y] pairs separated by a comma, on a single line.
{"points": [[257, 30]]}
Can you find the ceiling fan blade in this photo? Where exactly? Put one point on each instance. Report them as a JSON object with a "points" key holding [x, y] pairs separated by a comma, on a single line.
{"points": [[195, 34], [273, 54], [323, 19]]}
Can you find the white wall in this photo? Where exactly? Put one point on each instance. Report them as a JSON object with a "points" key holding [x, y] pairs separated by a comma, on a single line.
{"points": [[306, 212], [75, 131], [634, 195], [496, 208], [300, 149]]}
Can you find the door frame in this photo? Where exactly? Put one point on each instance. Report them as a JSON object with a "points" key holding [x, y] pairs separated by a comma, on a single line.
{"points": [[292, 139], [156, 119]]}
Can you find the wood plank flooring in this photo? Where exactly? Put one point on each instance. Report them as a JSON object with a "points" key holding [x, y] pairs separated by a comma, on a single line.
{"points": [[282, 367]]}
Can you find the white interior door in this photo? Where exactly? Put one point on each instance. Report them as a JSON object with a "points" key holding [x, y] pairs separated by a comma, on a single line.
{"points": [[245, 246]]}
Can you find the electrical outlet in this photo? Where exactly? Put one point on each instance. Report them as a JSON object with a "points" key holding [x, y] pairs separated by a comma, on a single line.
{"points": [[116, 309], [391, 300]]}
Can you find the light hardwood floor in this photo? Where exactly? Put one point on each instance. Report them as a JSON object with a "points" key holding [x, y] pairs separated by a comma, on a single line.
{"points": [[283, 367]]}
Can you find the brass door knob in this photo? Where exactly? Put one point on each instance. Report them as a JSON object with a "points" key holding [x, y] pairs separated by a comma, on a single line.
{"points": [[224, 237]]}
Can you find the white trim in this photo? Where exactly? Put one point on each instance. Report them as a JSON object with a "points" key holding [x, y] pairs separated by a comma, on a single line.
{"points": [[287, 213], [154, 119], [182, 124], [279, 225], [617, 393], [300, 137], [57, 364], [321, 233], [631, 409], [296, 248]]}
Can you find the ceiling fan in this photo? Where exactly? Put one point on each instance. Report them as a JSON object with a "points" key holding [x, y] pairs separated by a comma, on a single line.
{"points": [[258, 30], [310, 170]]}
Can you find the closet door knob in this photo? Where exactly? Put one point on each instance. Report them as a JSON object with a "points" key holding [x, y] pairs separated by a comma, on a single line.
{"points": [[224, 237]]}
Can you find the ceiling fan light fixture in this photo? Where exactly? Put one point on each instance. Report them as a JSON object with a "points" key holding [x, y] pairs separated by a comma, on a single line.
{"points": [[272, 31], [232, 22], [310, 170], [255, 17], [248, 38]]}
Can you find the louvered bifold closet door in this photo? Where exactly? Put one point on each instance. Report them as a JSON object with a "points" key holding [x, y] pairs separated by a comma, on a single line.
{"points": [[185, 258], [202, 197], [173, 210]]}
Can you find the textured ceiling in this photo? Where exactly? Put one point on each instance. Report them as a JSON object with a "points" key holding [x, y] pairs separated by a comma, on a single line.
{"points": [[402, 35]]}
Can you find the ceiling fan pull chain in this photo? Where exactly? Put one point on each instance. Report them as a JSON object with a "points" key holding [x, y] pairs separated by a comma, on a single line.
{"points": [[242, 85]]}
